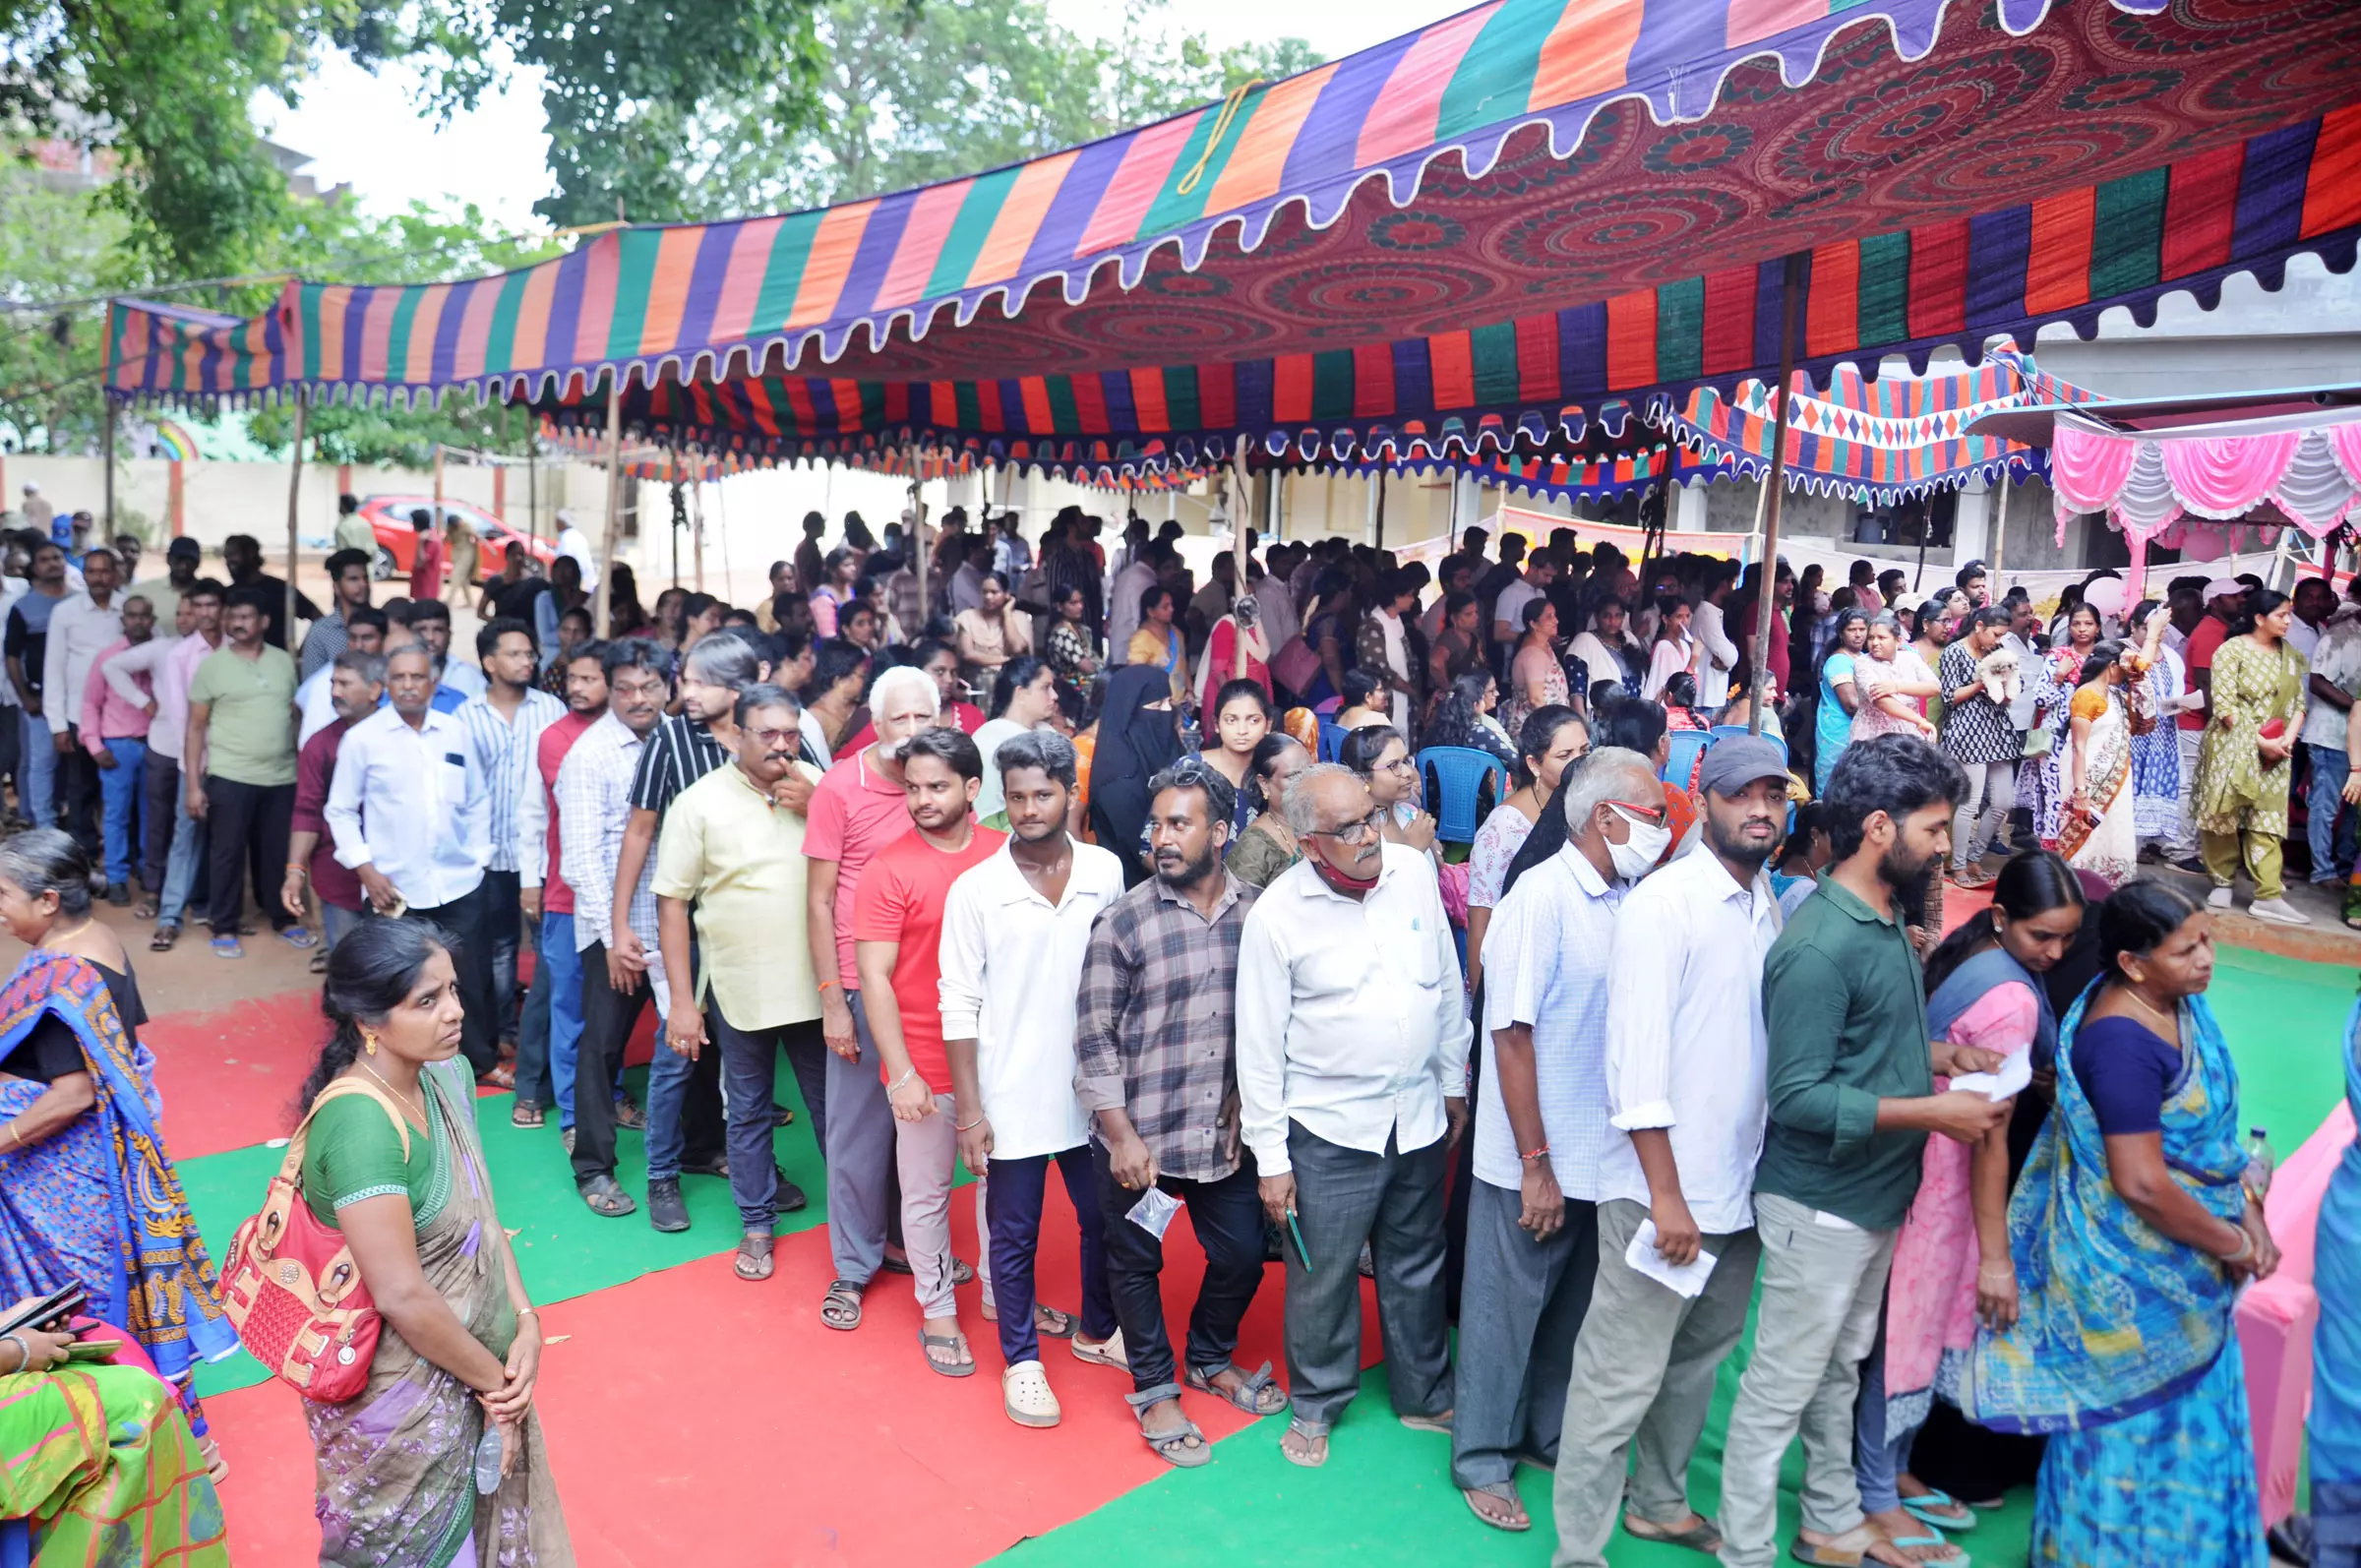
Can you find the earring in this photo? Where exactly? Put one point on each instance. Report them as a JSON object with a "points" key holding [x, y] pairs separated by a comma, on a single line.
{"points": [[368, 1041]]}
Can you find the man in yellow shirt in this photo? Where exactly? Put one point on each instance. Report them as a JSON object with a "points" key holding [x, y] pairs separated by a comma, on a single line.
{"points": [[732, 847]]}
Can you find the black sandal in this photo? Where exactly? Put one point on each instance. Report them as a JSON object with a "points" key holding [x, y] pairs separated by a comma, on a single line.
{"points": [[1256, 1394], [840, 1309], [1173, 1448], [526, 1114], [607, 1198]]}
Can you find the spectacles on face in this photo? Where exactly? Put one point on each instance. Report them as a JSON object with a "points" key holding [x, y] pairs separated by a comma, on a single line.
{"points": [[1649, 815], [1400, 765], [1358, 831], [774, 740]]}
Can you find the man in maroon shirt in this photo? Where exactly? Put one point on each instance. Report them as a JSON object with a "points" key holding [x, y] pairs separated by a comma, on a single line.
{"points": [[354, 686], [550, 1036], [1749, 600]]}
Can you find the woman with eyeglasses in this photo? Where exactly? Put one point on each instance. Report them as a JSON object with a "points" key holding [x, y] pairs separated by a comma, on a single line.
{"points": [[1378, 754]]}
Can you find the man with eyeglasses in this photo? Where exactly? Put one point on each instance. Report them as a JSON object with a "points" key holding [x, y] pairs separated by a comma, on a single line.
{"points": [[1352, 1079], [1541, 1127]]}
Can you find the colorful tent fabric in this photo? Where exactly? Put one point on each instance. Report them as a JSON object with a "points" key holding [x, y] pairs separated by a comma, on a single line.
{"points": [[1874, 441], [2155, 484], [1507, 220]]}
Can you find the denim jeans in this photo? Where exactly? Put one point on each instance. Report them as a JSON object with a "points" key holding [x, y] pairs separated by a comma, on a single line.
{"points": [[2332, 827], [336, 924], [564, 967], [37, 763], [184, 865], [532, 1029], [684, 1106], [120, 788], [501, 927], [750, 1062]]}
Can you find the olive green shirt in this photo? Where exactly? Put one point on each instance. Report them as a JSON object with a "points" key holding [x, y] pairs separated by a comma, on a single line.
{"points": [[1845, 1006]]}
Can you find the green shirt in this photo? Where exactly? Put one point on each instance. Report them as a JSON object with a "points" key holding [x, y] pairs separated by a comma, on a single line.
{"points": [[1845, 1005], [163, 597], [352, 1152], [249, 735]]}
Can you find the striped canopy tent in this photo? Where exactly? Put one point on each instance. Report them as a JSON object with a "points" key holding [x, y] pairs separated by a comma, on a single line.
{"points": [[1529, 216]]}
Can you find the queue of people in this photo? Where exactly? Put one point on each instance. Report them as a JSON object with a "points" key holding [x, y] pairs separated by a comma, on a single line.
{"points": [[1585, 1093]]}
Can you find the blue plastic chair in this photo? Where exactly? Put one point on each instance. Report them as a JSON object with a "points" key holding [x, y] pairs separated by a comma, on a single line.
{"points": [[1453, 776], [1681, 761], [1332, 739], [1723, 732]]}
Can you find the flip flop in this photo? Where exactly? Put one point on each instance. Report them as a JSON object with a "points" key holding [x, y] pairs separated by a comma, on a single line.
{"points": [[1048, 1322], [228, 948], [1924, 1506], [754, 1261], [146, 909], [1957, 1558], [164, 938], [1703, 1536], [527, 1115], [298, 937], [1515, 1524], [929, 1343], [1315, 1447]]}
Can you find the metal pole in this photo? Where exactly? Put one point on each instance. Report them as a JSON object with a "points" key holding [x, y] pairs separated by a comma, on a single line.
{"points": [[603, 596], [680, 517], [106, 408], [919, 561], [1766, 599], [697, 523], [440, 530], [294, 495], [2000, 534]]}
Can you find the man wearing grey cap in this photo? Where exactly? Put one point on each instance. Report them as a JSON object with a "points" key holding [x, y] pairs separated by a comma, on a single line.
{"points": [[1685, 1086]]}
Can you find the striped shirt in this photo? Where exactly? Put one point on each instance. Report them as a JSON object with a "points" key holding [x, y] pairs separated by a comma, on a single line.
{"points": [[593, 793], [678, 753], [1158, 1034], [505, 747]]}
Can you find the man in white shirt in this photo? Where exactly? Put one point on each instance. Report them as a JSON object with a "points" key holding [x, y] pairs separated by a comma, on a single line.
{"points": [[1352, 1079], [1122, 601], [83, 626], [1685, 1083], [1015, 930], [1541, 1127], [364, 631], [2314, 600], [575, 546], [1508, 611], [1706, 624], [430, 621], [174, 859], [410, 808]]}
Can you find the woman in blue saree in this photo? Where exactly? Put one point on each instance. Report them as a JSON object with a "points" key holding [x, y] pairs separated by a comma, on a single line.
{"points": [[2334, 1428], [87, 1192], [2131, 1230]]}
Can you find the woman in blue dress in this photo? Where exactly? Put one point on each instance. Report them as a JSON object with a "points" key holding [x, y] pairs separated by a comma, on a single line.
{"points": [[1839, 699], [2157, 754], [2335, 1424], [2131, 1231]]}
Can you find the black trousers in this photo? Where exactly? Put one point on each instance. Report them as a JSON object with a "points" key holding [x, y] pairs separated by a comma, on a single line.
{"points": [[1227, 1216], [247, 833], [503, 927], [608, 1018], [160, 810], [465, 918], [77, 797]]}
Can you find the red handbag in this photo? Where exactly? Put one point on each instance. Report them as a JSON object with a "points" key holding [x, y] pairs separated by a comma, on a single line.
{"points": [[290, 1285]]}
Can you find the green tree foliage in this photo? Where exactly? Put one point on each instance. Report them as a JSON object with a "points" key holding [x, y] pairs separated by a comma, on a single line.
{"points": [[912, 95], [55, 245]]}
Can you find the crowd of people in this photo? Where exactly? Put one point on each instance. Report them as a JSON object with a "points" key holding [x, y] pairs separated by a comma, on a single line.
{"points": [[1165, 906]]}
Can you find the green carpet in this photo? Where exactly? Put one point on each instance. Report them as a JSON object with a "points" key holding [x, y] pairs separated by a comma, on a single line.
{"points": [[563, 1249], [2285, 1021]]}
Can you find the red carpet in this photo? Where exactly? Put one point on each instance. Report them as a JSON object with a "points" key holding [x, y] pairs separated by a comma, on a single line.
{"points": [[853, 1452]]}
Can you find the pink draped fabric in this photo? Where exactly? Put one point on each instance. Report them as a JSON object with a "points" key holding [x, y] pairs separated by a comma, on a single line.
{"points": [[2228, 477], [2086, 467], [2345, 441]]}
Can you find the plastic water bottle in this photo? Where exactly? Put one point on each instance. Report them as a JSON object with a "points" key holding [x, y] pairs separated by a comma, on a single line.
{"points": [[488, 1455], [2261, 1162]]}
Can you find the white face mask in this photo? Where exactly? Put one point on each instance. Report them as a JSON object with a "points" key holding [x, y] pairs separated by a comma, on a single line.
{"points": [[1637, 855]]}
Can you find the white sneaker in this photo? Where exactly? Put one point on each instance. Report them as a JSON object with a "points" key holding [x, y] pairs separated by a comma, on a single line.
{"points": [[2219, 898], [1025, 1394], [2278, 912]]}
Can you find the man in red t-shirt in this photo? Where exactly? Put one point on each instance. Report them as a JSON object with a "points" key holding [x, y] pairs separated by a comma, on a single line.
{"points": [[549, 1039], [2224, 597], [1748, 600], [897, 936], [858, 809], [938, 660], [354, 688]]}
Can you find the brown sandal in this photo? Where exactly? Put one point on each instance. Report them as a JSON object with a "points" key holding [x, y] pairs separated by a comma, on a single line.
{"points": [[754, 1262], [164, 938]]}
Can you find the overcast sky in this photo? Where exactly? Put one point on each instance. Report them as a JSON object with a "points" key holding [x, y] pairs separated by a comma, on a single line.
{"points": [[366, 130]]}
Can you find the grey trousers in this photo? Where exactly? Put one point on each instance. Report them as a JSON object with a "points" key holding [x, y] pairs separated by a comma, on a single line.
{"points": [[1824, 1288], [860, 1157], [1393, 1202], [1643, 1383], [927, 1156], [1521, 1304]]}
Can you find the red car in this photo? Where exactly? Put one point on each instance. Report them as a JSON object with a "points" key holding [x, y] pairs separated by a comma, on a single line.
{"points": [[397, 538]]}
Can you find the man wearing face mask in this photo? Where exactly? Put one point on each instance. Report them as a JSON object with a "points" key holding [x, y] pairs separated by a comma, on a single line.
{"points": [[1850, 1075], [1541, 1127], [1685, 1088], [1352, 1079]]}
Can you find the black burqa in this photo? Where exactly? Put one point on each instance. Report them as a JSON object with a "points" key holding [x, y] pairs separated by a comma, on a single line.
{"points": [[1136, 741]]}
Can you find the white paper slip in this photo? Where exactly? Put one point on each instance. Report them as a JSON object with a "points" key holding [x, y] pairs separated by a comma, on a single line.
{"points": [[2014, 1075], [1684, 1279]]}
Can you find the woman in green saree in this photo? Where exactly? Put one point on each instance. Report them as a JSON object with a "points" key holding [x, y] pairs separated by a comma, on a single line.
{"points": [[439, 1463], [97, 1463]]}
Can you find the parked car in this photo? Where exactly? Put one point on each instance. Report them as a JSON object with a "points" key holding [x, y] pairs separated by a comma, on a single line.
{"points": [[398, 539]]}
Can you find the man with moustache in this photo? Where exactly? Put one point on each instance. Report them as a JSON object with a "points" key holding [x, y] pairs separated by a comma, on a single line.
{"points": [[732, 849], [1684, 1082], [175, 853], [356, 685], [1352, 1076]]}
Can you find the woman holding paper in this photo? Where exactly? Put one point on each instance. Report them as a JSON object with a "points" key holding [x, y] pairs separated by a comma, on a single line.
{"points": [[1951, 1261]]}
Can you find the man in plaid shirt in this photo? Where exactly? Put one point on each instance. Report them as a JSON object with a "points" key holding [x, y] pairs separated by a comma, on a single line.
{"points": [[1156, 1066]]}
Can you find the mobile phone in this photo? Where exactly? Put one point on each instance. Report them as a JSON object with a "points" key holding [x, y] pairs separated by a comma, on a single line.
{"points": [[50, 1313], [92, 1350]]}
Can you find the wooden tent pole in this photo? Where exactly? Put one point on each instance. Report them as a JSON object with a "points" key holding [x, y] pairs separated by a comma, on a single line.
{"points": [[1766, 600], [294, 499], [603, 596]]}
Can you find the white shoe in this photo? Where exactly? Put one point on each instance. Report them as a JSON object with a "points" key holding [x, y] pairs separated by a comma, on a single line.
{"points": [[1025, 1394], [2219, 898], [2278, 912], [1108, 1352]]}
